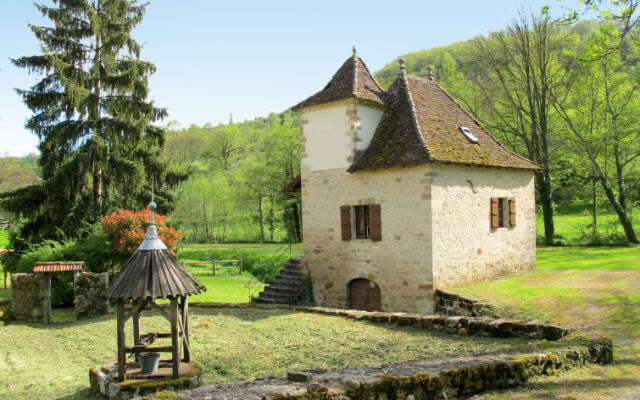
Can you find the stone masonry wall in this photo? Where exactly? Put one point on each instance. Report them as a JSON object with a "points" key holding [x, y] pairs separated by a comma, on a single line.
{"points": [[452, 304], [465, 248], [400, 263], [87, 290], [27, 297]]}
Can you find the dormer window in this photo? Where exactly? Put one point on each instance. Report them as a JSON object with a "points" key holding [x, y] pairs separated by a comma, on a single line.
{"points": [[467, 133]]}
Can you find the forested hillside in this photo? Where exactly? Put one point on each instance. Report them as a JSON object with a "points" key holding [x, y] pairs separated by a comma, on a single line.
{"points": [[237, 172], [16, 172], [564, 95]]}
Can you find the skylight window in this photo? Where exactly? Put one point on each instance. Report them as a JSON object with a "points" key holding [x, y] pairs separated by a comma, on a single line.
{"points": [[467, 133]]}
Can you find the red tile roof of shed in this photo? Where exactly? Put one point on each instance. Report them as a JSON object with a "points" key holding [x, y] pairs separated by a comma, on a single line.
{"points": [[58, 266]]}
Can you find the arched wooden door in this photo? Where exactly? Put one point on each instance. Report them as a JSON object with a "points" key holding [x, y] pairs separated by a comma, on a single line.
{"points": [[364, 295]]}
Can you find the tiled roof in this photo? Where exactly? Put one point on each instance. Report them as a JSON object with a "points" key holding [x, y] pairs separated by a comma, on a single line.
{"points": [[396, 141], [58, 266], [422, 124], [353, 80]]}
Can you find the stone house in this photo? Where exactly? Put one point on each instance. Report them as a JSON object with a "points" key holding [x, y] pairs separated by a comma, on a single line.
{"points": [[404, 192]]}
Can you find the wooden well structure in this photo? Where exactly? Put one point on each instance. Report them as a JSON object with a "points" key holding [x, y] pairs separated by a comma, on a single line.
{"points": [[153, 273]]}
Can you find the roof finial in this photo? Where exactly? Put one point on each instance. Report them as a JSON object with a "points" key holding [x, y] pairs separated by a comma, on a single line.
{"points": [[353, 48], [431, 76], [403, 70], [152, 204]]}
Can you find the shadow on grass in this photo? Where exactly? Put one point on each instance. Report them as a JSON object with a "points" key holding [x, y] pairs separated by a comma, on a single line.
{"points": [[587, 385], [83, 394]]}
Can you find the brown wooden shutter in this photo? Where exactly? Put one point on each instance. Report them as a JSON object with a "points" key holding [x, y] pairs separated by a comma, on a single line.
{"points": [[495, 217], [345, 222], [512, 212], [376, 222]]}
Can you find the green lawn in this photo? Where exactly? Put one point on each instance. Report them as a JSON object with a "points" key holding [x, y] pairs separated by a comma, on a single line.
{"points": [[226, 286], [573, 222], [4, 239], [587, 288], [44, 362], [296, 248]]}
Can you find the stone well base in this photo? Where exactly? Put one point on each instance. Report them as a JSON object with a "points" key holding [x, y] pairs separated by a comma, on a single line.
{"points": [[104, 381]]}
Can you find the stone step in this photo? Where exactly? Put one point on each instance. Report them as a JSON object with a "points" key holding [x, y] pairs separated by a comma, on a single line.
{"points": [[283, 281], [263, 300], [284, 290], [291, 274], [271, 298]]}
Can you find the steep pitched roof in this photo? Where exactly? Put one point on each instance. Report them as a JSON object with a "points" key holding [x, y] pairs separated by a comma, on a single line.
{"points": [[353, 80], [422, 124]]}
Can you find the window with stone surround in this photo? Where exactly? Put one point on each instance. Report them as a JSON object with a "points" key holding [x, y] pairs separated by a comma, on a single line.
{"points": [[503, 212], [368, 222]]}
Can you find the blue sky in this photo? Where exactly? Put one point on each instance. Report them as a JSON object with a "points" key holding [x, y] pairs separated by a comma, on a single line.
{"points": [[251, 58]]}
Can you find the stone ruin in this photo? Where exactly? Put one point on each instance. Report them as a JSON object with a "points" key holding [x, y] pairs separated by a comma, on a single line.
{"points": [[28, 297], [87, 290], [31, 296]]}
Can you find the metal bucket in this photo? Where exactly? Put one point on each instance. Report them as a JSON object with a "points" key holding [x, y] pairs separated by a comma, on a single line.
{"points": [[149, 363]]}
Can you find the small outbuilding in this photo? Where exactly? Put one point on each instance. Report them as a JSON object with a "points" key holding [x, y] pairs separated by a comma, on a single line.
{"points": [[404, 192]]}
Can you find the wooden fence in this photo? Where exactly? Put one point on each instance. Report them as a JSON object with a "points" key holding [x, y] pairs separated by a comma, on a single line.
{"points": [[216, 265]]}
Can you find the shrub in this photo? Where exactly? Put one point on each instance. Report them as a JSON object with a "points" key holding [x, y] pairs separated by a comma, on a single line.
{"points": [[97, 253], [127, 229]]}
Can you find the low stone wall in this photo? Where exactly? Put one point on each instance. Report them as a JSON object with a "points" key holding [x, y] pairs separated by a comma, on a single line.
{"points": [[452, 304], [28, 297], [432, 379], [87, 288], [481, 326]]}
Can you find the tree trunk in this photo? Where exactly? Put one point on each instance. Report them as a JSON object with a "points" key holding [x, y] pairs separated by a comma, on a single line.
{"points": [[594, 203], [261, 216], [622, 187], [543, 182], [97, 173], [272, 215], [623, 216]]}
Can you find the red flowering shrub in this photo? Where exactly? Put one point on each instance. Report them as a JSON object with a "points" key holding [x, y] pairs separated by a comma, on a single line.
{"points": [[127, 229]]}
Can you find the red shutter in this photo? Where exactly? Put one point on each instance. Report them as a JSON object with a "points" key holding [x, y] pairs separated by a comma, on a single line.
{"points": [[376, 222], [495, 218], [512, 212], [345, 222]]}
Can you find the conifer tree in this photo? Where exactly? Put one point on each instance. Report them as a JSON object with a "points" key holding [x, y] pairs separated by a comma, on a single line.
{"points": [[98, 139]]}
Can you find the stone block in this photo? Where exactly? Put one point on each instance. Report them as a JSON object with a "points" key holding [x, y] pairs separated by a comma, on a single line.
{"points": [[87, 289], [28, 297]]}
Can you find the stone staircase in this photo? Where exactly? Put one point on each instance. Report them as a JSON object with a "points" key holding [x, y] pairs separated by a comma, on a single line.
{"points": [[289, 287]]}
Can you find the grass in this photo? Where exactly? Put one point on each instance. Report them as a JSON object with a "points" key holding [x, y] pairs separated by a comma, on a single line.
{"points": [[263, 261], [38, 361], [587, 288], [573, 223], [226, 286], [296, 248], [4, 239]]}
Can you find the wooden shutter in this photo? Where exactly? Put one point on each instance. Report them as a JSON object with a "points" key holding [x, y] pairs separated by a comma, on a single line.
{"points": [[512, 212], [376, 222], [495, 217], [345, 222]]}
